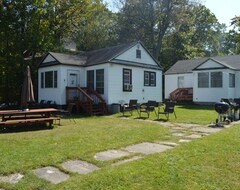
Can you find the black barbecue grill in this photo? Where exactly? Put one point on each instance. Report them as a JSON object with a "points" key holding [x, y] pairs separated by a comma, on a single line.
{"points": [[222, 109]]}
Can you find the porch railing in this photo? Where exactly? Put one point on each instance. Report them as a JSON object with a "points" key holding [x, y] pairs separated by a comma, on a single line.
{"points": [[182, 94]]}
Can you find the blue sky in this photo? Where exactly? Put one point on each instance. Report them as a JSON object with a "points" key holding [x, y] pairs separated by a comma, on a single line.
{"points": [[224, 10]]}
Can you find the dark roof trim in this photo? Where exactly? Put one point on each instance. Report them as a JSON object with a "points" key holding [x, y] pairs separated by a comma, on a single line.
{"points": [[48, 63], [223, 64], [177, 73], [213, 68], [133, 64]]}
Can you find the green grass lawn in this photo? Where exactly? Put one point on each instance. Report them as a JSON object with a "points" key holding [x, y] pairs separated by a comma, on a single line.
{"points": [[208, 163], [196, 114]]}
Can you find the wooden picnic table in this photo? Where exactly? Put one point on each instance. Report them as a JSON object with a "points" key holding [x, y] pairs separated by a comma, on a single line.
{"points": [[20, 117]]}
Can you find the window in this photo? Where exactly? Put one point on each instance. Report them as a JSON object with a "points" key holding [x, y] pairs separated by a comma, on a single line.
{"points": [[55, 79], [203, 80], [49, 79], [100, 81], [216, 79], [127, 80], [90, 79], [138, 53], [42, 80], [149, 78], [231, 80]]}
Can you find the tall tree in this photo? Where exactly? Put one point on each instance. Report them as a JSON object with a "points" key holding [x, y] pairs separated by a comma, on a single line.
{"points": [[149, 20]]}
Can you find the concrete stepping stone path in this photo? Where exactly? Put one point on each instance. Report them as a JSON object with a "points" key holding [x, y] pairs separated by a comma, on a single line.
{"points": [[194, 136], [127, 160], [207, 129], [78, 166], [110, 155], [14, 178], [184, 140], [147, 148], [51, 174]]}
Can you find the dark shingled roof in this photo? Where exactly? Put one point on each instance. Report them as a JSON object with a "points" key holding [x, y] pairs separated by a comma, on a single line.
{"points": [[106, 54], [94, 57], [187, 66], [77, 59]]}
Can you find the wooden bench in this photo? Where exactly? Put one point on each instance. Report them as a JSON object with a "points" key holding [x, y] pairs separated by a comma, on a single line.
{"points": [[17, 122]]}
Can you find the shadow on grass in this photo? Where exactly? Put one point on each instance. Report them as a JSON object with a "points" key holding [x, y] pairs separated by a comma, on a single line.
{"points": [[161, 120], [196, 107], [24, 128]]}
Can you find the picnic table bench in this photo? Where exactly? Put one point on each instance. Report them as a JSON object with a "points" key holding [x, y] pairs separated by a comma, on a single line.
{"points": [[16, 122], [26, 117]]}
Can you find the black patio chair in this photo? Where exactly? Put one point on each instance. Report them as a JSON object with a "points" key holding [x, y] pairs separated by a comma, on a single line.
{"points": [[132, 105], [168, 109], [148, 108]]}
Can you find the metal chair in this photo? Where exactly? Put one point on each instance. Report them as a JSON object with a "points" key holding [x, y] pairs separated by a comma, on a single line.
{"points": [[132, 105], [148, 107], [168, 109]]}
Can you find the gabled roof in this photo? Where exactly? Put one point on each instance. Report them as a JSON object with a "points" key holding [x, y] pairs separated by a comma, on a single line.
{"points": [[94, 57], [187, 66], [63, 58], [107, 54]]}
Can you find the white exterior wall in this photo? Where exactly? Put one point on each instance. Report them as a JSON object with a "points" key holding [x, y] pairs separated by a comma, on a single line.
{"points": [[58, 94], [139, 91], [214, 94], [171, 82], [130, 56]]}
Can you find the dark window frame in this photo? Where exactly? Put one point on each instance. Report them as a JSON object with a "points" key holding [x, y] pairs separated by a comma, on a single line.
{"points": [[100, 83], [138, 53], [49, 79], [216, 81], [130, 79], [151, 79], [201, 84], [232, 80], [90, 79]]}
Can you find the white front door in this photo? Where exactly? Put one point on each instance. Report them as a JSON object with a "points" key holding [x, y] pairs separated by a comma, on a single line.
{"points": [[181, 82], [72, 80]]}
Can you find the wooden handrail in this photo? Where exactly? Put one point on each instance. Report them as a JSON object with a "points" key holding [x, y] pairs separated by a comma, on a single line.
{"points": [[80, 90], [96, 94]]}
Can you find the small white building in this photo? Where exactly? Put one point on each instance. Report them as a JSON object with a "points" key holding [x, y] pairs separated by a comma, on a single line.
{"points": [[210, 79], [118, 74]]}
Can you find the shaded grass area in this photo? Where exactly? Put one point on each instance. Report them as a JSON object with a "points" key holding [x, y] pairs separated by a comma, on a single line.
{"points": [[196, 114]]}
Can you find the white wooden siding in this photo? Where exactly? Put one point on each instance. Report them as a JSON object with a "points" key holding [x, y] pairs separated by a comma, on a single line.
{"points": [[140, 92], [171, 82], [58, 94], [214, 94], [130, 55], [48, 59], [210, 64]]}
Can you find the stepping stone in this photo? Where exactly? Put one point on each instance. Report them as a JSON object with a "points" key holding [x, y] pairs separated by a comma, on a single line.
{"points": [[127, 160], [184, 140], [178, 134], [51, 174], [110, 154], [147, 148], [78, 166], [207, 129], [168, 143], [194, 136], [14, 178]]}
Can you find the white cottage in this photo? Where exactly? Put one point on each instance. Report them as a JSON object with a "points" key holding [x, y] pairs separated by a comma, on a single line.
{"points": [[204, 80], [110, 75]]}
